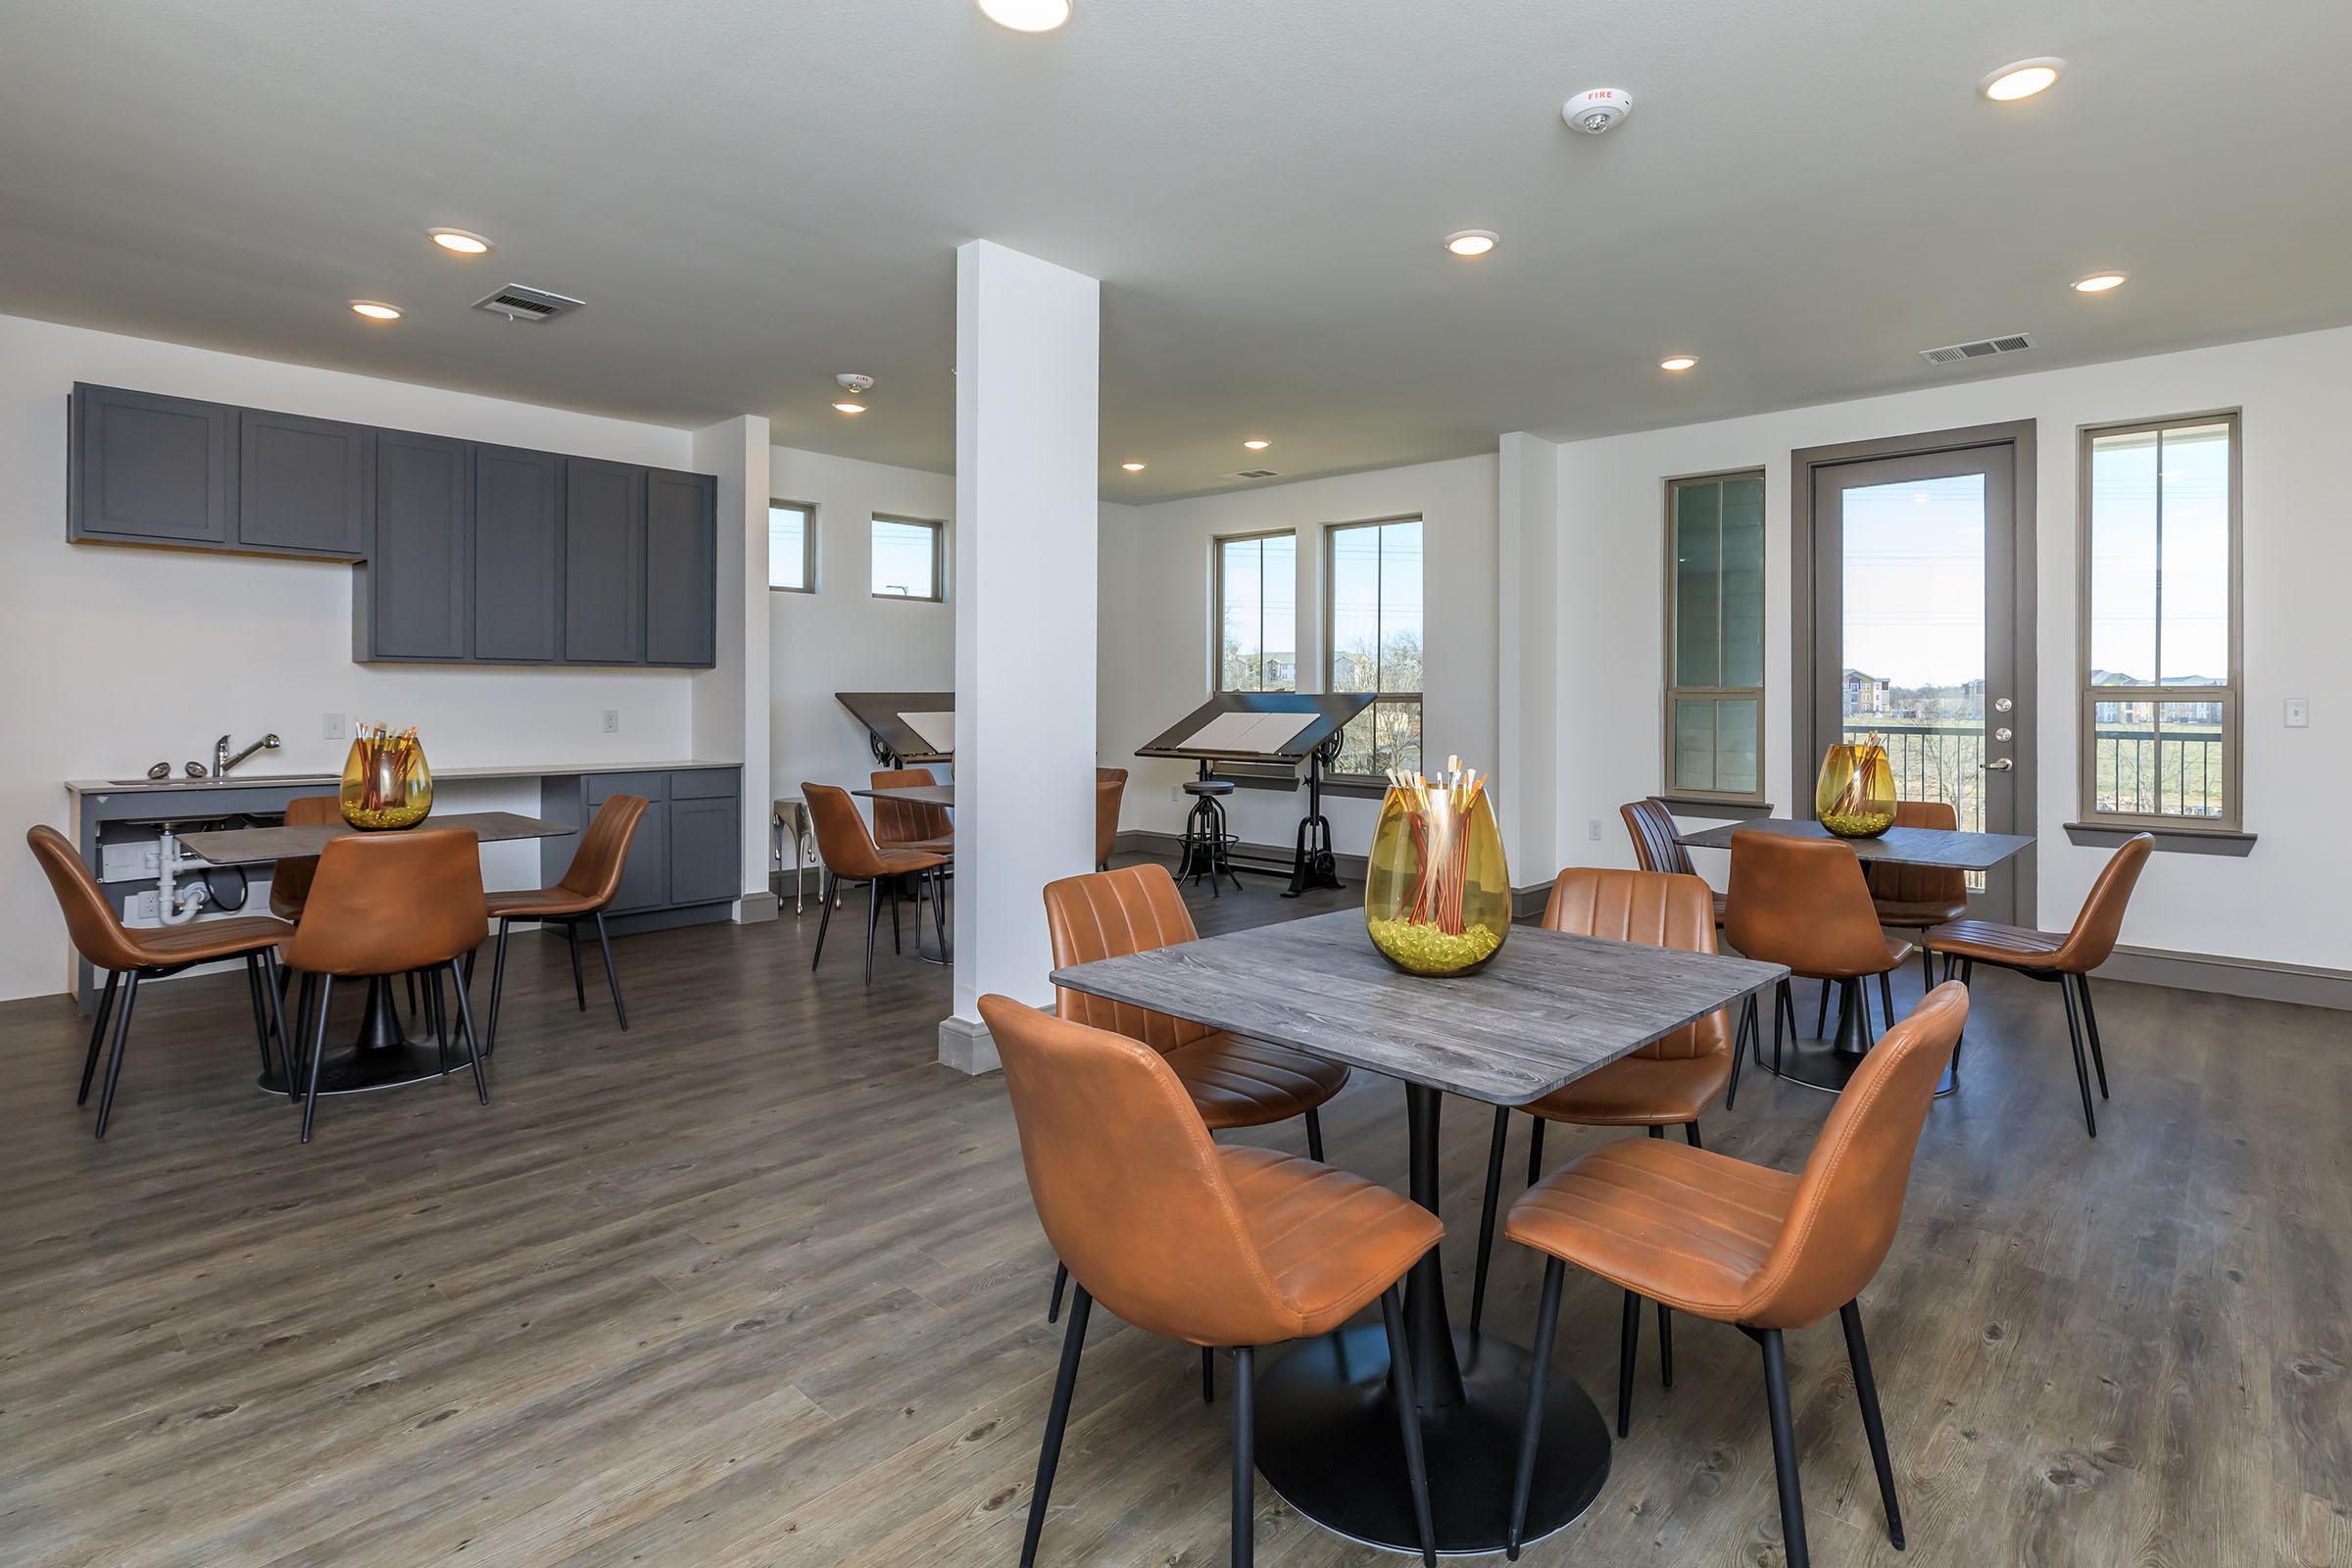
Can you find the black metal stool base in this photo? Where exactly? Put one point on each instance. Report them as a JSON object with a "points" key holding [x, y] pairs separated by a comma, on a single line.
{"points": [[1328, 1440]]}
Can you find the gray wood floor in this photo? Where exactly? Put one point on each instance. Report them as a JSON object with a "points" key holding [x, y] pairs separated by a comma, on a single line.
{"points": [[756, 1283]]}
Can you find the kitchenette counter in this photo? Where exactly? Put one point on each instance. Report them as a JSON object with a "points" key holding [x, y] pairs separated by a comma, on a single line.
{"points": [[178, 785]]}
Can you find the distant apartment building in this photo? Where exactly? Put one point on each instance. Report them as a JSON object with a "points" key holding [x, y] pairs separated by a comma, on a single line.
{"points": [[1866, 696]]}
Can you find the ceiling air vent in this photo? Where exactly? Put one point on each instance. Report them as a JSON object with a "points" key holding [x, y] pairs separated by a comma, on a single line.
{"points": [[1984, 348], [517, 303], [1256, 474]]}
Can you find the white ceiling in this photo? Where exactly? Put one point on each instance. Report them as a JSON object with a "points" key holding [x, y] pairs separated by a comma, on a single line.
{"points": [[754, 194]]}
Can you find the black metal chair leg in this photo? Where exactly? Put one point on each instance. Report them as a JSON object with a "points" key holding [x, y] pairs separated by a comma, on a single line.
{"points": [[1866, 1395], [1062, 1279], [825, 894], [310, 1097], [579, 985], [1821, 1015], [1409, 1413], [113, 1057], [897, 945], [1208, 1376], [1534, 1152], [612, 975], [1531, 1425], [261, 1015], [497, 986], [437, 1013], [874, 923], [1927, 969], [1245, 1459], [939, 909], [1743, 1040], [1665, 1347], [1314, 1137], [2090, 1027], [302, 1033], [2074, 1035], [1629, 1340], [411, 977], [275, 988], [474, 1054], [1691, 1135], [1485, 1214], [1057, 1418], [1783, 1449], [106, 1008], [1886, 999]]}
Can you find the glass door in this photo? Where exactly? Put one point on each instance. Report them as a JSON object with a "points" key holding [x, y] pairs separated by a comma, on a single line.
{"points": [[1915, 636]]}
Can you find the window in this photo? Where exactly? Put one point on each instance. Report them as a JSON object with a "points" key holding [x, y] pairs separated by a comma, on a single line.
{"points": [[1257, 612], [792, 547], [909, 558], [1372, 605], [1715, 637], [2160, 632]]}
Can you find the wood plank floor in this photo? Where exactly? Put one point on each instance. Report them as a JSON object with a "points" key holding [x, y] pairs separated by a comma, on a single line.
{"points": [[757, 1283]]}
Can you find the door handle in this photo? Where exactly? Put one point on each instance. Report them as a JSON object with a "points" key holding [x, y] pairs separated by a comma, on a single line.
{"points": [[1999, 765]]}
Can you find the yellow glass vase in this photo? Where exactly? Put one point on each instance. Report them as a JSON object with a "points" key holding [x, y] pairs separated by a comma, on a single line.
{"points": [[385, 782], [1855, 798], [1438, 894]]}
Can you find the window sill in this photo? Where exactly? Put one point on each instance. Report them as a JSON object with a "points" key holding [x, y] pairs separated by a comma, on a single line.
{"points": [[2175, 839], [1716, 811]]}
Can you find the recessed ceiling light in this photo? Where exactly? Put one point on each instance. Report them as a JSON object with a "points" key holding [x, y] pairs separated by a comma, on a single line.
{"points": [[2022, 80], [1132, 467], [1471, 242], [1678, 362], [459, 241], [1026, 16], [2099, 282], [851, 407], [377, 309], [1257, 444]]}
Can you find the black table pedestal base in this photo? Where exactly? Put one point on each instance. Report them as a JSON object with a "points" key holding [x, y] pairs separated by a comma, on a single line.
{"points": [[1328, 1440], [381, 1056]]}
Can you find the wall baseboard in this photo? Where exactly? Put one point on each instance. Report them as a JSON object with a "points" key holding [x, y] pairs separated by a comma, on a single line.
{"points": [[965, 1045], [2306, 985], [757, 909]]}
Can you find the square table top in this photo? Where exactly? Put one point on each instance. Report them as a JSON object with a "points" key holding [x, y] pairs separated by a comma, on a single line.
{"points": [[244, 845], [1950, 849], [1548, 1008], [913, 793]]}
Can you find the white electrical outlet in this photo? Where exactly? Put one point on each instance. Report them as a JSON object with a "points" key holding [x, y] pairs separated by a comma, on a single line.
{"points": [[333, 727], [143, 909], [2298, 712], [1593, 829], [611, 720]]}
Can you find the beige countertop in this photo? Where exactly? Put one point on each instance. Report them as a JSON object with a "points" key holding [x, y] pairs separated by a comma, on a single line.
{"points": [[162, 786]]}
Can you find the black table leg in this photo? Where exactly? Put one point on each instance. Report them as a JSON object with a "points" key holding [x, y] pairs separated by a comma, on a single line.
{"points": [[381, 1055], [1327, 1421]]}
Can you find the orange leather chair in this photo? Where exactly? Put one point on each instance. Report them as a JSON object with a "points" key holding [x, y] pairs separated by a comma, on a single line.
{"points": [[1110, 787], [290, 878], [1734, 1242], [1803, 902], [1227, 1249], [2064, 957], [1913, 898], [1655, 845], [851, 855], [1665, 1083], [386, 904], [586, 891], [128, 955], [905, 824]]}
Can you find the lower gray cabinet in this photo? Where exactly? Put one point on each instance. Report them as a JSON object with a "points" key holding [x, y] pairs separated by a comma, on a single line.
{"points": [[645, 879], [706, 850], [686, 861]]}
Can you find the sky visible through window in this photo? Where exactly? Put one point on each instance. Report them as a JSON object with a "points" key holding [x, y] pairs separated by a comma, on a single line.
{"points": [[2193, 484], [787, 546], [1915, 582], [903, 559]]}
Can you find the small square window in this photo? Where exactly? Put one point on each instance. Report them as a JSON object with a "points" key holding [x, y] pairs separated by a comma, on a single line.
{"points": [[909, 559]]}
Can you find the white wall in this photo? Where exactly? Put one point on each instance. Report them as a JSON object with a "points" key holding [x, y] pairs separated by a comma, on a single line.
{"points": [[112, 658], [1157, 637], [730, 714], [841, 638], [2279, 904]]}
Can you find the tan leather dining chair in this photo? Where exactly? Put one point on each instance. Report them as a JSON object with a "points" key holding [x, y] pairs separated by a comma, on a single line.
{"points": [[851, 855], [386, 904], [1734, 1242], [1222, 1248], [585, 892], [2066, 957], [1913, 898], [910, 824], [1657, 847], [1111, 787], [1667, 1083], [290, 878], [1803, 902], [127, 954]]}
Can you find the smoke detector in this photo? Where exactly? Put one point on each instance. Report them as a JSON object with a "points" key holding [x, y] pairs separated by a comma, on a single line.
{"points": [[1598, 109], [850, 381]]}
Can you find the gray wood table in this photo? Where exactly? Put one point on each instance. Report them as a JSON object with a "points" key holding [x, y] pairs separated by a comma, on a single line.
{"points": [[1947, 848], [1548, 1010]]}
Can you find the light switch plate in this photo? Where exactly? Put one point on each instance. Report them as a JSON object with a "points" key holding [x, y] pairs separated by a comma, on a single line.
{"points": [[2298, 712], [333, 727], [1593, 829]]}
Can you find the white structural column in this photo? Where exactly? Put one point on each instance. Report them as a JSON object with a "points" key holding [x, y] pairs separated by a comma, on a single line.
{"points": [[1527, 659], [730, 706], [1026, 416]]}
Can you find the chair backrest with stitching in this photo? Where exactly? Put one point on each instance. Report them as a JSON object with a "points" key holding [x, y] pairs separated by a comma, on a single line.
{"points": [[1920, 884], [1108, 914], [290, 878], [907, 821], [1803, 902], [388, 903], [841, 841], [1655, 845]]}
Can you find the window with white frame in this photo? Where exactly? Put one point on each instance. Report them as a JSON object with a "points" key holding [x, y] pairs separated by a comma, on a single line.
{"points": [[792, 547], [909, 558]]}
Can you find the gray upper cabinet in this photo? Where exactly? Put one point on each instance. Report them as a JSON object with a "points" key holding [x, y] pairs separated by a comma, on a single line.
{"points": [[411, 599], [518, 556], [604, 562], [303, 485], [681, 568], [149, 470]]}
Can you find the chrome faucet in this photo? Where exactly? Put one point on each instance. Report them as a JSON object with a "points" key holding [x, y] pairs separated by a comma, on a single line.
{"points": [[222, 761]]}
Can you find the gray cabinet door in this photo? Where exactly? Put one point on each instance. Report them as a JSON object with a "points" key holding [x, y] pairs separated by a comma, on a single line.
{"points": [[681, 568], [706, 850], [645, 875], [518, 556], [419, 554], [149, 469], [303, 485], [604, 562]]}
